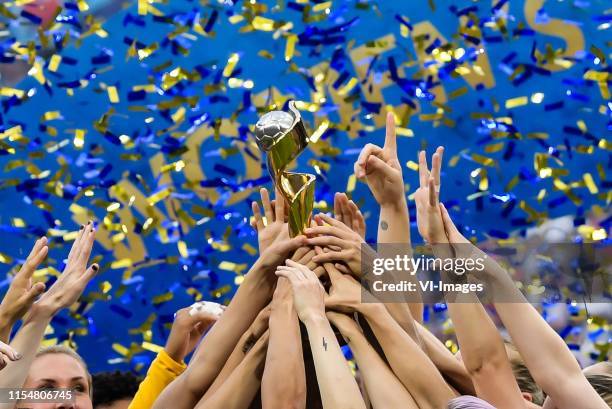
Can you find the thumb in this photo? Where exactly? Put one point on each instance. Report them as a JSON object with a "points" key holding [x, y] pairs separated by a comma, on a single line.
{"points": [[36, 290]]}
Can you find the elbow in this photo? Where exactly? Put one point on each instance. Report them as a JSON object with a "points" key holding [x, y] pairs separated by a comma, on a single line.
{"points": [[485, 365]]}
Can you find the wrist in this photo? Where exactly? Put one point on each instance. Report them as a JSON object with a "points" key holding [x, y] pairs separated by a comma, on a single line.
{"points": [[369, 309], [313, 318], [174, 354], [397, 205], [40, 311]]}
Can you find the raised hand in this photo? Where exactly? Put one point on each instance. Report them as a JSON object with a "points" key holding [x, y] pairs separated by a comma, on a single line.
{"points": [[381, 170], [187, 329], [429, 218], [308, 293], [22, 292], [275, 214], [71, 283], [347, 212], [343, 244]]}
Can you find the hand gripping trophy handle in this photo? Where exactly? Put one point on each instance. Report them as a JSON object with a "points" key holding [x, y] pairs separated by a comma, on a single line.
{"points": [[283, 137]]}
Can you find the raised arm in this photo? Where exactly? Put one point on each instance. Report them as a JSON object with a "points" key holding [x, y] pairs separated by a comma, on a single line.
{"points": [[63, 293], [338, 387], [22, 292], [546, 355], [482, 347], [449, 366], [381, 170], [244, 345], [252, 295], [384, 389], [239, 389], [284, 380], [405, 357]]}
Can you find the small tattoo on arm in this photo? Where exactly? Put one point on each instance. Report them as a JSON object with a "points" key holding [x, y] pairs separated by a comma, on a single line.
{"points": [[324, 344], [384, 225]]}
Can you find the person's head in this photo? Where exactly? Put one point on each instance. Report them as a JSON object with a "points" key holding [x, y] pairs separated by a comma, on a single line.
{"points": [[114, 390], [603, 386], [600, 368], [529, 388], [468, 402], [60, 367]]}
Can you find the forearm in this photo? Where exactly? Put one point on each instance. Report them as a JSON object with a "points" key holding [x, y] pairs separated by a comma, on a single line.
{"points": [[235, 358], [449, 366], [218, 344], [26, 342], [284, 381], [240, 387], [406, 359], [337, 385], [394, 231], [5, 330], [384, 389], [543, 350], [483, 353]]}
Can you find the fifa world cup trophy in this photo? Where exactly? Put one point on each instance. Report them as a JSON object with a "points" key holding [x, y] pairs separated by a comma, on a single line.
{"points": [[283, 137]]}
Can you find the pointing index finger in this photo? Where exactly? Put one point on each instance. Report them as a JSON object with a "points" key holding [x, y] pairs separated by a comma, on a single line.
{"points": [[390, 135]]}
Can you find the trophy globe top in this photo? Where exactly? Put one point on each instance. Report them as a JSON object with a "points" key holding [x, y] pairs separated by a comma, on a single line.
{"points": [[271, 127]]}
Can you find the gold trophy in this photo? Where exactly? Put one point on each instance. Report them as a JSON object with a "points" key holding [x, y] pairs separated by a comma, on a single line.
{"points": [[283, 137]]}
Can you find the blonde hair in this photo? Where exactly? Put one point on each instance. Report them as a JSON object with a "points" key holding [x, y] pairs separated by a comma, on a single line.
{"points": [[62, 349]]}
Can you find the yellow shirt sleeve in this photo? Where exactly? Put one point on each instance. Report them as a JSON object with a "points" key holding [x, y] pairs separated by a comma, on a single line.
{"points": [[162, 371]]}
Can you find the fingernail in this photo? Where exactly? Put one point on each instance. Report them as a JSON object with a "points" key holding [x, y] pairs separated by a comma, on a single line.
{"points": [[18, 355]]}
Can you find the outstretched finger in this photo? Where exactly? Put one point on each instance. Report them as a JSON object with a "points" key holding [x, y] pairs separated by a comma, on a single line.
{"points": [[326, 230], [436, 165], [265, 201], [279, 209], [433, 195], [333, 222], [87, 244], [289, 275], [258, 221], [76, 246], [331, 257], [423, 169], [327, 241], [37, 246], [33, 261], [390, 135], [337, 207]]}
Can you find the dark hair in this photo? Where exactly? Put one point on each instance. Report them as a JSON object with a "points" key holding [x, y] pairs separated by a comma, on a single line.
{"points": [[603, 386], [109, 387]]}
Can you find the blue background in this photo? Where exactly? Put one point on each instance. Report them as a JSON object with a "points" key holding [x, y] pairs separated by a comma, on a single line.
{"points": [[496, 214]]}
